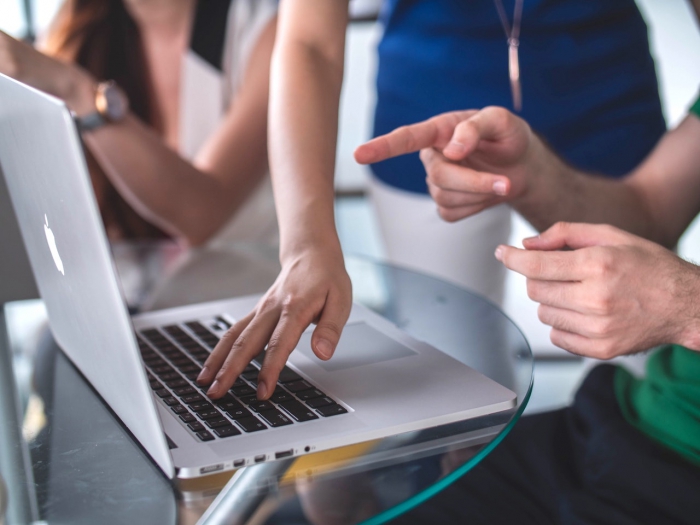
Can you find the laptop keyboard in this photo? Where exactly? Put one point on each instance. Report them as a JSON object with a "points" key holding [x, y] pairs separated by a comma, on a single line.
{"points": [[173, 356]]}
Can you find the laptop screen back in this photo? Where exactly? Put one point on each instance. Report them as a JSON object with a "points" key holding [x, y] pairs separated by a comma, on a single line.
{"points": [[42, 160]]}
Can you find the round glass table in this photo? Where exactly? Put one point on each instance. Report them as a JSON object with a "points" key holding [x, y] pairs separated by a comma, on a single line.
{"points": [[65, 457]]}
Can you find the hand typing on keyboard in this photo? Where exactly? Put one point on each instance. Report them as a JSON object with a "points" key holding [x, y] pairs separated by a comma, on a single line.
{"points": [[311, 288], [172, 356]]}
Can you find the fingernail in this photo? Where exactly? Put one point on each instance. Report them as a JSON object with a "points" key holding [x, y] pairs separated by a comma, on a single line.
{"points": [[499, 187], [456, 147], [262, 390], [203, 374], [325, 348], [499, 253], [213, 389]]}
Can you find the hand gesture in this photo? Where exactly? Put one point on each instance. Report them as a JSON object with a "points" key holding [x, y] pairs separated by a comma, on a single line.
{"points": [[474, 159], [612, 293], [313, 287]]}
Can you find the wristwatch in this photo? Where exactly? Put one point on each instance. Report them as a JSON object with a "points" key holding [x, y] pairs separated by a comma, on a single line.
{"points": [[111, 103]]}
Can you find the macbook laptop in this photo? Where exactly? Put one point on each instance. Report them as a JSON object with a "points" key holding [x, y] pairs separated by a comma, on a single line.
{"points": [[380, 381]]}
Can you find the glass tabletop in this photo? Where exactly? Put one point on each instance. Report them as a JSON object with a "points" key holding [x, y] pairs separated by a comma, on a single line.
{"points": [[66, 458]]}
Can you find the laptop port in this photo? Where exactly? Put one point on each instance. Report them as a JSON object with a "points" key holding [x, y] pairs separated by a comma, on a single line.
{"points": [[260, 458], [239, 463], [284, 453]]}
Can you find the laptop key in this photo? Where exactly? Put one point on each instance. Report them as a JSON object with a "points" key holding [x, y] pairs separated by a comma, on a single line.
{"points": [[260, 406], [177, 383], [298, 386], [309, 394], [155, 384], [226, 405], [161, 392], [287, 375], [280, 396], [204, 435], [216, 423], [228, 431], [243, 390], [188, 418], [251, 424], [192, 398], [320, 402], [275, 418], [209, 414], [170, 401], [298, 411], [183, 391], [239, 413], [170, 376], [253, 374], [162, 370], [178, 409], [204, 405], [331, 410], [196, 426]]}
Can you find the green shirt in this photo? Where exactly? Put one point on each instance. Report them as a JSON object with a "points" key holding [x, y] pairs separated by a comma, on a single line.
{"points": [[666, 404], [695, 108]]}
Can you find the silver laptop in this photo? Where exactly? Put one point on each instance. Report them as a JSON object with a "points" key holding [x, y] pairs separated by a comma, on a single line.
{"points": [[380, 381]]}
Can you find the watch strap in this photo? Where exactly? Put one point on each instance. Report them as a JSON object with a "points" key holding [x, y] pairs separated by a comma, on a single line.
{"points": [[91, 121]]}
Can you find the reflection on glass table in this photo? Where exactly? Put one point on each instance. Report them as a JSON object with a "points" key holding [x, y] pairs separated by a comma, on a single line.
{"points": [[66, 458]]}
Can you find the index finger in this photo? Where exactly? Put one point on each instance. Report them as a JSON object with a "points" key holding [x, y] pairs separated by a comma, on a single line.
{"points": [[432, 133], [543, 266]]}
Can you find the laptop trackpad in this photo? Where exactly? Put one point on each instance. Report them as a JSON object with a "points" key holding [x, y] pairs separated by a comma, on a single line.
{"points": [[359, 345]]}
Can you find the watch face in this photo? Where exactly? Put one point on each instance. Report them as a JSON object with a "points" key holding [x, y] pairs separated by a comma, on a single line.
{"points": [[111, 102]]}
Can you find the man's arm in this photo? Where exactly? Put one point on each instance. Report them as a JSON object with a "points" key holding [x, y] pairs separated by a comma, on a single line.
{"points": [[479, 159]]}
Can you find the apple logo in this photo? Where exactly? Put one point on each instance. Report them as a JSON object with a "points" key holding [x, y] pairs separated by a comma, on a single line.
{"points": [[51, 240]]}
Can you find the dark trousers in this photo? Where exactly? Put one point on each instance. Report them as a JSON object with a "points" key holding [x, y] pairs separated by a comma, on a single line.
{"points": [[581, 464]]}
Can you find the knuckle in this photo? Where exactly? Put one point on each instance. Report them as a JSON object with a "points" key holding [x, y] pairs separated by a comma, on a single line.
{"points": [[533, 290], [606, 350], [498, 115], [561, 227], [437, 174], [447, 214], [330, 328]]}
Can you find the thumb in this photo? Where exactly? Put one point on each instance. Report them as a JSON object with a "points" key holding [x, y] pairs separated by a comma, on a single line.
{"points": [[575, 236], [489, 124], [329, 327]]}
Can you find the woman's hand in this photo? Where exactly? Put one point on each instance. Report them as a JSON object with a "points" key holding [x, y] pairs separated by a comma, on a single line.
{"points": [[313, 287], [65, 81], [612, 294], [474, 159]]}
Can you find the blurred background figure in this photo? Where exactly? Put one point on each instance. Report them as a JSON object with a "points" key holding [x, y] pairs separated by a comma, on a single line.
{"points": [[188, 158]]}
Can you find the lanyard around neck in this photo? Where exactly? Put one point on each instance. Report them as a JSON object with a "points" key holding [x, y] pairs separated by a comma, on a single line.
{"points": [[513, 36]]}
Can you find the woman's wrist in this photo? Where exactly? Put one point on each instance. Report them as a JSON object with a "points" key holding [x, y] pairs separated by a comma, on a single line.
{"points": [[78, 91]]}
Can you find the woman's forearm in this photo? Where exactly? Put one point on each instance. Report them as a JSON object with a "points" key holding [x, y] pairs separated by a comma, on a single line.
{"points": [[306, 78], [167, 190]]}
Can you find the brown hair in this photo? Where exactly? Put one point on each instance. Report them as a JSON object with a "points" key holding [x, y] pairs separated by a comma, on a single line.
{"points": [[103, 38]]}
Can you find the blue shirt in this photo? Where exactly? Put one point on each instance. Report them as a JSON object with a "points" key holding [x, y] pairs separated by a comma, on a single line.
{"points": [[588, 79]]}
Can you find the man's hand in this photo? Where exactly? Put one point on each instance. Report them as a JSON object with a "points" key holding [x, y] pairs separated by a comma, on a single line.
{"points": [[612, 294], [312, 287], [474, 159]]}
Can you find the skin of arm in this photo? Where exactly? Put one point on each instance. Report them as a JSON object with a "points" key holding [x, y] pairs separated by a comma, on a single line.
{"points": [[152, 177], [605, 291], [313, 286]]}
